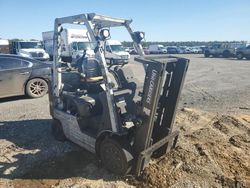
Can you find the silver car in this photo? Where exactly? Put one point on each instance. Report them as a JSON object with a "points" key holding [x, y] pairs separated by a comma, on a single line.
{"points": [[23, 76]]}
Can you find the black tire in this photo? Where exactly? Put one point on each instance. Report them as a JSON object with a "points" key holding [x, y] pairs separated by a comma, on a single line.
{"points": [[226, 54], [57, 130], [36, 88], [239, 56], [116, 157]]}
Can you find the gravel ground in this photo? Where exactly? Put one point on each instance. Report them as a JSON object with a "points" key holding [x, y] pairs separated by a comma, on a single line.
{"points": [[217, 85], [30, 155]]}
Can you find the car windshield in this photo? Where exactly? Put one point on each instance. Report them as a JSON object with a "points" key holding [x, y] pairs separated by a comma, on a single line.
{"points": [[117, 48], [30, 45], [161, 47], [85, 45]]}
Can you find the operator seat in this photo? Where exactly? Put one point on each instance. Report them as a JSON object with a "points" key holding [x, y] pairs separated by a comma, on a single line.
{"points": [[91, 70], [91, 74]]}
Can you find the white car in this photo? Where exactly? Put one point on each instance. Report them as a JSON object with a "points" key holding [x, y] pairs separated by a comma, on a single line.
{"points": [[157, 49], [115, 52], [196, 50]]}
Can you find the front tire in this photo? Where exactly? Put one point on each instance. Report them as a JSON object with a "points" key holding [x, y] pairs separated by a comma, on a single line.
{"points": [[239, 56], [116, 157], [36, 88]]}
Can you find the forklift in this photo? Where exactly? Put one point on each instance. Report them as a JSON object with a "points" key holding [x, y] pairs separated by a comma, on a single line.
{"points": [[122, 112]]}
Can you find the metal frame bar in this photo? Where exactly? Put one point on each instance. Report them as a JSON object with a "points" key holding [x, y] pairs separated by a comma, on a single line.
{"points": [[144, 156]]}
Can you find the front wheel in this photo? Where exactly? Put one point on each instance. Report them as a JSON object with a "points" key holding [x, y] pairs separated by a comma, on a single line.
{"points": [[116, 157], [239, 56], [36, 88]]}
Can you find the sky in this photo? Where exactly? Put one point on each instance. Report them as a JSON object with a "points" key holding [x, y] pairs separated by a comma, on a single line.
{"points": [[161, 20]]}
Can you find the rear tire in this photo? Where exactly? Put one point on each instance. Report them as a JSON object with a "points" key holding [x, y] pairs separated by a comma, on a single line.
{"points": [[239, 56], [57, 130], [36, 88], [116, 156]]}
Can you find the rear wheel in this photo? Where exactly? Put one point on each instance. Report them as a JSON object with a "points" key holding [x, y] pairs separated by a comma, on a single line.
{"points": [[57, 130], [116, 156], [36, 88], [239, 56]]}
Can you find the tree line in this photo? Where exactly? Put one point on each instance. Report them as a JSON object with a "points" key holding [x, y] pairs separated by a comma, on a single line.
{"points": [[184, 43]]}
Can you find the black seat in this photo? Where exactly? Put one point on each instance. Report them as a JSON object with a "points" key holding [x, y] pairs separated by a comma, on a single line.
{"points": [[91, 70]]}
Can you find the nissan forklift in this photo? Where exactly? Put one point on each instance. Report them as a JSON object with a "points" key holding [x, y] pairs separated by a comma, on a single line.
{"points": [[122, 112]]}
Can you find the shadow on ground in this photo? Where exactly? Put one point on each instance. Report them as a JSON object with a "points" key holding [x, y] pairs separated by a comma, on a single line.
{"points": [[28, 151], [15, 98]]}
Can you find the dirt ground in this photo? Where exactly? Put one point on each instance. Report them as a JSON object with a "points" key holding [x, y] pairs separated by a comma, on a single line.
{"points": [[213, 149]]}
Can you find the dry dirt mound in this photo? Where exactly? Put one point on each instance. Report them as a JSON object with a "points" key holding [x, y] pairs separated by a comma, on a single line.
{"points": [[213, 151]]}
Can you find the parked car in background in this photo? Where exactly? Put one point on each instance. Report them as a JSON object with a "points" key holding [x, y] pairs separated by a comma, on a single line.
{"points": [[127, 49], [132, 51], [31, 49], [157, 49], [115, 52], [4, 46], [222, 49], [146, 51], [172, 50], [181, 50], [23, 76], [196, 50], [203, 48], [243, 52]]}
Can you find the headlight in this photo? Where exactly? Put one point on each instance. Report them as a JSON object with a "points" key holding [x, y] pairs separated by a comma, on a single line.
{"points": [[141, 35], [104, 34]]}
